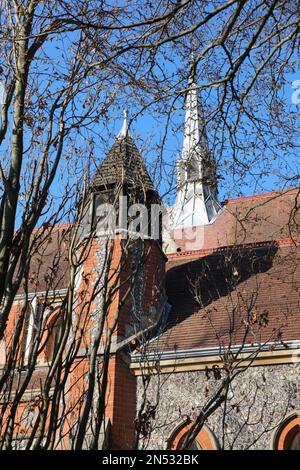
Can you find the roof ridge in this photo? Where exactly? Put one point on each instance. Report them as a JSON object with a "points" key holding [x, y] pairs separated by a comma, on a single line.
{"points": [[263, 195], [190, 254]]}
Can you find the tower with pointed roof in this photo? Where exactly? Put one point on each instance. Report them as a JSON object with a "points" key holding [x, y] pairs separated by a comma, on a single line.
{"points": [[123, 165], [132, 268], [123, 173], [196, 200]]}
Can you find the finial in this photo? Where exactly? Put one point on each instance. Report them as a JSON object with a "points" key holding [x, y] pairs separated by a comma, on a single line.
{"points": [[124, 129]]}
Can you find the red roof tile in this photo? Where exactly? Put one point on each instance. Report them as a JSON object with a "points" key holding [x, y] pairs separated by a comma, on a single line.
{"points": [[216, 298], [243, 275], [246, 220], [49, 259]]}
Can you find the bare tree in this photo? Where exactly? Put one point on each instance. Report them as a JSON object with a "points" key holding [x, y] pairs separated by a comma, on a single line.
{"points": [[66, 67]]}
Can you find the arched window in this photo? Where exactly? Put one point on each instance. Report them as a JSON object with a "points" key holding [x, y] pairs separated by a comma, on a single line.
{"points": [[54, 327], [287, 436], [205, 439]]}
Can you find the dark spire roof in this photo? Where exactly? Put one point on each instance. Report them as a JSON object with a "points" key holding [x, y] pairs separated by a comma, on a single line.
{"points": [[124, 165]]}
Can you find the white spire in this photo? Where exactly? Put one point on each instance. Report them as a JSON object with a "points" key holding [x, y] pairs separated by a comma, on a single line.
{"points": [[196, 202], [194, 127], [124, 129]]}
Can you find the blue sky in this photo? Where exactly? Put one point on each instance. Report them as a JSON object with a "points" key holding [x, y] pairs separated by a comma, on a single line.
{"points": [[148, 131], [146, 128]]}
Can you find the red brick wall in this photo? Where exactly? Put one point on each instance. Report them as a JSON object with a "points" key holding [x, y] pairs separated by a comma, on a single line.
{"points": [[121, 389], [121, 396], [121, 404]]}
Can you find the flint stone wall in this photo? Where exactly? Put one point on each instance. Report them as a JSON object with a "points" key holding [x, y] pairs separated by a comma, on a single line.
{"points": [[258, 401]]}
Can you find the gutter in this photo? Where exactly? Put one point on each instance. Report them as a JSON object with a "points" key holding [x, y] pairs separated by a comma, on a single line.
{"points": [[215, 351]]}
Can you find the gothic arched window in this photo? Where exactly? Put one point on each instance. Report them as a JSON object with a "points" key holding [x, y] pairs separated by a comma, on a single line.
{"points": [[287, 436], [205, 439], [54, 328]]}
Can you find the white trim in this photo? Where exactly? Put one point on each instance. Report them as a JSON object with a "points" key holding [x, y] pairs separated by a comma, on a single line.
{"points": [[33, 307], [216, 351], [50, 293]]}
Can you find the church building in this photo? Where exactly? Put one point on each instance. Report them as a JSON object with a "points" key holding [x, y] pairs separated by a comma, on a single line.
{"points": [[198, 321]]}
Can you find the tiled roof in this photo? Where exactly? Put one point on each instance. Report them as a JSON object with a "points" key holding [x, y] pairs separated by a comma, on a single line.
{"points": [[253, 219], [215, 298], [123, 164], [259, 237], [49, 260]]}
